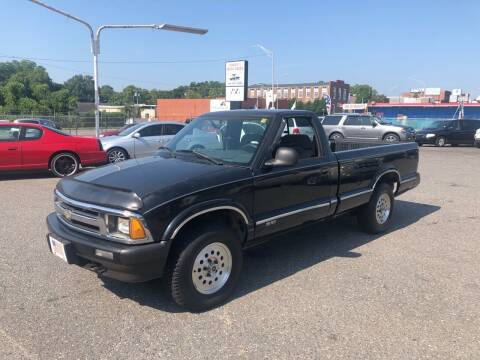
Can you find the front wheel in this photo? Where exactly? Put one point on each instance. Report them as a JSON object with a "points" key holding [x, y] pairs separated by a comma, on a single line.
{"points": [[204, 271], [336, 136], [64, 164], [116, 155], [375, 216], [391, 138]]}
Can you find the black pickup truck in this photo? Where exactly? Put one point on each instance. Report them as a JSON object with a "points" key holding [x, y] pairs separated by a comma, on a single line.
{"points": [[226, 182]]}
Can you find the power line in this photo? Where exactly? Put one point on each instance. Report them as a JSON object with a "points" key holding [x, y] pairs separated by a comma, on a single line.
{"points": [[132, 61]]}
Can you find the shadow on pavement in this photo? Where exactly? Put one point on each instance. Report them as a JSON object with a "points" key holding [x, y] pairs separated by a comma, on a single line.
{"points": [[284, 255], [22, 175]]}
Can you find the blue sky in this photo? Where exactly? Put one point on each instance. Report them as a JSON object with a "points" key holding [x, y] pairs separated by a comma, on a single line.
{"points": [[392, 45]]}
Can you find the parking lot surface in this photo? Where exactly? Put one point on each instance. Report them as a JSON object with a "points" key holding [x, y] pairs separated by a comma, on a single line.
{"points": [[328, 291]]}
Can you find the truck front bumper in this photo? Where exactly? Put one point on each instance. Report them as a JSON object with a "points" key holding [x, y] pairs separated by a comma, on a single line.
{"points": [[129, 263]]}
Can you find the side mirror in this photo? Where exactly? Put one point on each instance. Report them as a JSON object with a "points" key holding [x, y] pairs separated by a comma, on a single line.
{"points": [[136, 135], [283, 157], [374, 124]]}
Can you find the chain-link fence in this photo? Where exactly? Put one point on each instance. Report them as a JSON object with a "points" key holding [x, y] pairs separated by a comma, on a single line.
{"points": [[74, 124]]}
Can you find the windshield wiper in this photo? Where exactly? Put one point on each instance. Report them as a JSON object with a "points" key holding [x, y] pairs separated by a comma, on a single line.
{"points": [[202, 155], [168, 149]]}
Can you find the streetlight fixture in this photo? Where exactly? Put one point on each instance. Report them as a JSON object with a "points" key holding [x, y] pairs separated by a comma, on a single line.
{"points": [[95, 41], [270, 54]]}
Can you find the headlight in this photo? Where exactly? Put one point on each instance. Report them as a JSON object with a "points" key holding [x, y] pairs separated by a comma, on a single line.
{"points": [[125, 228], [429, 136]]}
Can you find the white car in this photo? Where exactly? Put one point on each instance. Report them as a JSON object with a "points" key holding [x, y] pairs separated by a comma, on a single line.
{"points": [[477, 138], [140, 140]]}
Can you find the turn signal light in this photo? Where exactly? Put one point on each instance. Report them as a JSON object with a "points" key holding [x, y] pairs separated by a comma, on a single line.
{"points": [[296, 131], [137, 232]]}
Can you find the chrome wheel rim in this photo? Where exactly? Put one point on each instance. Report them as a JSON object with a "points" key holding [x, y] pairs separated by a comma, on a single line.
{"points": [[212, 268], [116, 156], [391, 138], [65, 165], [336, 136], [441, 141], [382, 210]]}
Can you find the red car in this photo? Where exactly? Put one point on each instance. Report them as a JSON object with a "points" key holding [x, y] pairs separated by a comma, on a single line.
{"points": [[36, 147], [117, 131]]}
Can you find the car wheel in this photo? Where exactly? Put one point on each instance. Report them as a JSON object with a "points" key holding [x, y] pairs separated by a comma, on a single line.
{"points": [[336, 136], [419, 144], [116, 155], [391, 138], [441, 141], [204, 271], [454, 145], [64, 164], [375, 216], [477, 144]]}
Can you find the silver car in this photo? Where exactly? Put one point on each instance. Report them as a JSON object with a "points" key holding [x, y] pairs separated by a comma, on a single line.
{"points": [[361, 126], [139, 140]]}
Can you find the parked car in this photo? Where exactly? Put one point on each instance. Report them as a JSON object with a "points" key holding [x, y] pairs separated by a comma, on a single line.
{"points": [[361, 126], [25, 146], [140, 140], [116, 131], [454, 132], [477, 138], [187, 214], [44, 122]]}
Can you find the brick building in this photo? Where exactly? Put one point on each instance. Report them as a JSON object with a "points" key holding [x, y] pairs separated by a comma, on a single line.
{"points": [[338, 90]]}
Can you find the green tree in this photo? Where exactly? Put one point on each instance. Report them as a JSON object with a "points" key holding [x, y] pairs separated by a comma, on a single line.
{"points": [[365, 93], [107, 94], [81, 87]]}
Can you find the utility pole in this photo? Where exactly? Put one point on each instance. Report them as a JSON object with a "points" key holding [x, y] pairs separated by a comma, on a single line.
{"points": [[271, 55], [95, 43]]}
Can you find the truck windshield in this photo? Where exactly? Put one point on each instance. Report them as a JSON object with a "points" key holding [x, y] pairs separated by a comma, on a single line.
{"points": [[234, 140]]}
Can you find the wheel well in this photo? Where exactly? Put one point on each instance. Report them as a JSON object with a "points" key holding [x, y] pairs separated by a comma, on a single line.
{"points": [[64, 152], [390, 177], [229, 218], [390, 133]]}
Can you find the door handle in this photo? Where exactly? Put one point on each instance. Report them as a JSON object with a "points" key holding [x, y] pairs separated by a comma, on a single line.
{"points": [[12, 149], [363, 128]]}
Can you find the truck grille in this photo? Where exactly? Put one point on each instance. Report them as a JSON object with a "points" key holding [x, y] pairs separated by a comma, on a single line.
{"points": [[93, 219], [80, 218]]}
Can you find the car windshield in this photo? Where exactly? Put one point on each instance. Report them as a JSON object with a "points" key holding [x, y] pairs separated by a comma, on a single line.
{"points": [[129, 130], [233, 141]]}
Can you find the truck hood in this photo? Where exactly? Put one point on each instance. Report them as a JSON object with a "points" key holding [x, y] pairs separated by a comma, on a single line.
{"points": [[141, 184]]}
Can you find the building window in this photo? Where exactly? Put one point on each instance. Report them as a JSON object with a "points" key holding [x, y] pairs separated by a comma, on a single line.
{"points": [[292, 93], [315, 92], [345, 95], [252, 93], [308, 91], [259, 93], [300, 92], [285, 93]]}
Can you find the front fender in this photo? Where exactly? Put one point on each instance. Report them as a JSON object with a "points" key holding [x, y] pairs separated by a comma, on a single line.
{"points": [[196, 210]]}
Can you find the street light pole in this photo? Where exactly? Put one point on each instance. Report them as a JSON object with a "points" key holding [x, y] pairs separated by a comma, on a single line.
{"points": [[95, 41], [270, 54]]}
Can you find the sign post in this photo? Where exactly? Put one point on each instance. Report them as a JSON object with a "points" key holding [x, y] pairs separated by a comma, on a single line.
{"points": [[236, 82]]}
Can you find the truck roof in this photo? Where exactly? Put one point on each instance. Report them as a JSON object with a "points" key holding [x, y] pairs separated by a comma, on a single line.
{"points": [[258, 112]]}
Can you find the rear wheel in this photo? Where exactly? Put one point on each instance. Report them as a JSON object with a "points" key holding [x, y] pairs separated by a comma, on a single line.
{"points": [[441, 141], [204, 270], [64, 164], [391, 137], [116, 154], [477, 144], [375, 216]]}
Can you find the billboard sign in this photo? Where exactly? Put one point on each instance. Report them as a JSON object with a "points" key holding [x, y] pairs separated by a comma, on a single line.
{"points": [[236, 80]]}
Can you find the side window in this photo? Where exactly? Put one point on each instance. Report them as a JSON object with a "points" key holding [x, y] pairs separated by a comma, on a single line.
{"points": [[9, 133], [353, 121], [470, 125], [331, 120], [32, 134], [301, 136], [152, 130], [367, 121], [171, 129]]}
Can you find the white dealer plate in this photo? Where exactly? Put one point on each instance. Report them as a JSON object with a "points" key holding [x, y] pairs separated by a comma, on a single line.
{"points": [[58, 248]]}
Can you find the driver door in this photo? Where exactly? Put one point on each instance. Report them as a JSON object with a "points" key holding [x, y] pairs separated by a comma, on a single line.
{"points": [[149, 141], [289, 196]]}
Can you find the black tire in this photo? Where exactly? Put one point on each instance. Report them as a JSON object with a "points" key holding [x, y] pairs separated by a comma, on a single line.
{"points": [[454, 145], [477, 144], [336, 136], [116, 154], [180, 270], [367, 214], [64, 164], [441, 141], [391, 137], [419, 144]]}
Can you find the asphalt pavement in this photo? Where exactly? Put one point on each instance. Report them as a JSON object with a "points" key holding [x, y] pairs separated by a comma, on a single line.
{"points": [[325, 292]]}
